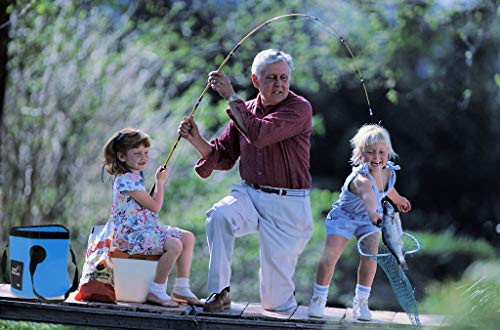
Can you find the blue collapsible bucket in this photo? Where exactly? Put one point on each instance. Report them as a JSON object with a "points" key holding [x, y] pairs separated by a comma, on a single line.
{"points": [[39, 261]]}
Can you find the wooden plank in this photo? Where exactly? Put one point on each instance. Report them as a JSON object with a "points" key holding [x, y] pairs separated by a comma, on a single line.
{"points": [[383, 318], [427, 320], [255, 311], [332, 315], [5, 292], [96, 317], [236, 310], [241, 316], [380, 319], [74, 315], [22, 310], [401, 318], [127, 306], [433, 320]]}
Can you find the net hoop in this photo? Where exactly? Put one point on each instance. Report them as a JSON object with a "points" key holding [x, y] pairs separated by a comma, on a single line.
{"points": [[416, 249]]}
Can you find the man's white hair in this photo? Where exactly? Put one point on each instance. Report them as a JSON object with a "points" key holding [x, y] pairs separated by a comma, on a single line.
{"points": [[270, 56]]}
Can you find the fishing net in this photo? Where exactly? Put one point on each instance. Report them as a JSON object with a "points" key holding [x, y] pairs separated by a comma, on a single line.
{"points": [[371, 246]]}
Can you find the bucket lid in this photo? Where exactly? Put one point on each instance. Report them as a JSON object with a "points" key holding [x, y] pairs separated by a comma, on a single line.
{"points": [[44, 231], [117, 254]]}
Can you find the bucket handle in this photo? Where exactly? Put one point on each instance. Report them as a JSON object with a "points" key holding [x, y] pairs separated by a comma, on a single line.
{"points": [[37, 255], [3, 266]]}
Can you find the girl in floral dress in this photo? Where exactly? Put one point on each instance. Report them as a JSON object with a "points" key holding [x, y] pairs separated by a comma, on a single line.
{"points": [[137, 229]]}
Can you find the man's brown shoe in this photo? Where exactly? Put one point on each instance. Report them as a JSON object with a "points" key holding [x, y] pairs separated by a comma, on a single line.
{"points": [[218, 302]]}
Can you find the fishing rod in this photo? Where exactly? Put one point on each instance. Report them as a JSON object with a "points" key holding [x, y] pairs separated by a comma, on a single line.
{"points": [[245, 38]]}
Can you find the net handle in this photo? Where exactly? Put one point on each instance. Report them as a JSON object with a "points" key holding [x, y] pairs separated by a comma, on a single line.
{"points": [[416, 249]]}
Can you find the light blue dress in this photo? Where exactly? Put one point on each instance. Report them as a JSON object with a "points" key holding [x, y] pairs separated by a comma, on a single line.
{"points": [[348, 216]]}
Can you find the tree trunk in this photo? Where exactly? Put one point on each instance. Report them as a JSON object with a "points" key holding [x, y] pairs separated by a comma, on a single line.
{"points": [[4, 41]]}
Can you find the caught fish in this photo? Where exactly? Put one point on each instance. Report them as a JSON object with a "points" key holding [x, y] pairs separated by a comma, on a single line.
{"points": [[392, 233]]}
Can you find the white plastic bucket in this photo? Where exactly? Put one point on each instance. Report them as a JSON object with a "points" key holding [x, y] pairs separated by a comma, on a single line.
{"points": [[133, 278]]}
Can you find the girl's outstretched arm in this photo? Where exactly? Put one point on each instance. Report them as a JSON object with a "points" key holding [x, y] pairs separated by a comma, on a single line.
{"points": [[401, 202]]}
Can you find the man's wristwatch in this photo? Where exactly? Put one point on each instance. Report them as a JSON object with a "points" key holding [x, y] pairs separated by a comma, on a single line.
{"points": [[233, 98]]}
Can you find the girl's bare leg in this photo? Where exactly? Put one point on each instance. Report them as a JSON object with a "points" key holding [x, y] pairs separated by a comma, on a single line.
{"points": [[334, 246], [173, 248], [367, 266], [186, 256]]}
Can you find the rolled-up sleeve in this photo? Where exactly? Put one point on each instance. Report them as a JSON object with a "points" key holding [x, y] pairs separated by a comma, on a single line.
{"points": [[272, 145], [225, 153]]}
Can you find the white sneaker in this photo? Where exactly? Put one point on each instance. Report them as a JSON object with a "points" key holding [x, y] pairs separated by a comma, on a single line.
{"points": [[317, 306], [360, 309]]}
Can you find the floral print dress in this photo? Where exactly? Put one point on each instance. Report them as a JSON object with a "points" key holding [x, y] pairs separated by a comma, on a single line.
{"points": [[137, 230]]}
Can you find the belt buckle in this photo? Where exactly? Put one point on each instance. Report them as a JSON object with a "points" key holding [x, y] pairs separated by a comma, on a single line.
{"points": [[279, 192]]}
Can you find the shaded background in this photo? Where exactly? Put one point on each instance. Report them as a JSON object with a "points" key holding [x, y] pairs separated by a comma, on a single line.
{"points": [[73, 72]]}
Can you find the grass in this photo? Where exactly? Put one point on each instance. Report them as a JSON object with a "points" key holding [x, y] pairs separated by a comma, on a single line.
{"points": [[473, 302], [13, 325]]}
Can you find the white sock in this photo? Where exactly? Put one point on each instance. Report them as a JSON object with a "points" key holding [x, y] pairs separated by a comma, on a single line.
{"points": [[362, 292], [320, 290], [159, 290], [181, 287]]}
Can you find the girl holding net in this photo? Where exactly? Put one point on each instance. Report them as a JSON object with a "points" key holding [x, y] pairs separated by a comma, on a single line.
{"points": [[358, 211]]}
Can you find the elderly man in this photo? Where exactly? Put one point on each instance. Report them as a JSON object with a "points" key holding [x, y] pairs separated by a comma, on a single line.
{"points": [[271, 137]]}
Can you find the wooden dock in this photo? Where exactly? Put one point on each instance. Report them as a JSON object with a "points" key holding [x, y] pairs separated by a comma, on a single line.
{"points": [[243, 315]]}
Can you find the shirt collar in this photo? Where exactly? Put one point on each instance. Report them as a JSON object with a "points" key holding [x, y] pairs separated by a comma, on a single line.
{"points": [[260, 107]]}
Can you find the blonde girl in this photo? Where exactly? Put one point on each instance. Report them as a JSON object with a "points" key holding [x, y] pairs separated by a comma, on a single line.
{"points": [[357, 212]]}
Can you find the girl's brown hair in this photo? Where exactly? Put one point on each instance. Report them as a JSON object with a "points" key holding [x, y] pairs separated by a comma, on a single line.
{"points": [[122, 141]]}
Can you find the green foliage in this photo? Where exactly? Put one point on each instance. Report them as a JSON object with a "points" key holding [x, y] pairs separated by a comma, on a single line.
{"points": [[472, 302], [321, 202], [12, 325], [447, 243], [392, 96]]}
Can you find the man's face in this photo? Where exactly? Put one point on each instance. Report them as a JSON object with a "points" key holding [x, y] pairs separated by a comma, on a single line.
{"points": [[273, 83]]}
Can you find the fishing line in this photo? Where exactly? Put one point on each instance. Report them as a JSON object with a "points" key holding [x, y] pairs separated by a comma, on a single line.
{"points": [[322, 23], [293, 16]]}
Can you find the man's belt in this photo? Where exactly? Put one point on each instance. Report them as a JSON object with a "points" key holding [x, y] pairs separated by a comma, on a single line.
{"points": [[281, 192]]}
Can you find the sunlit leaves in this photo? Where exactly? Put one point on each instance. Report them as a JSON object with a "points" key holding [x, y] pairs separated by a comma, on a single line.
{"points": [[392, 95]]}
